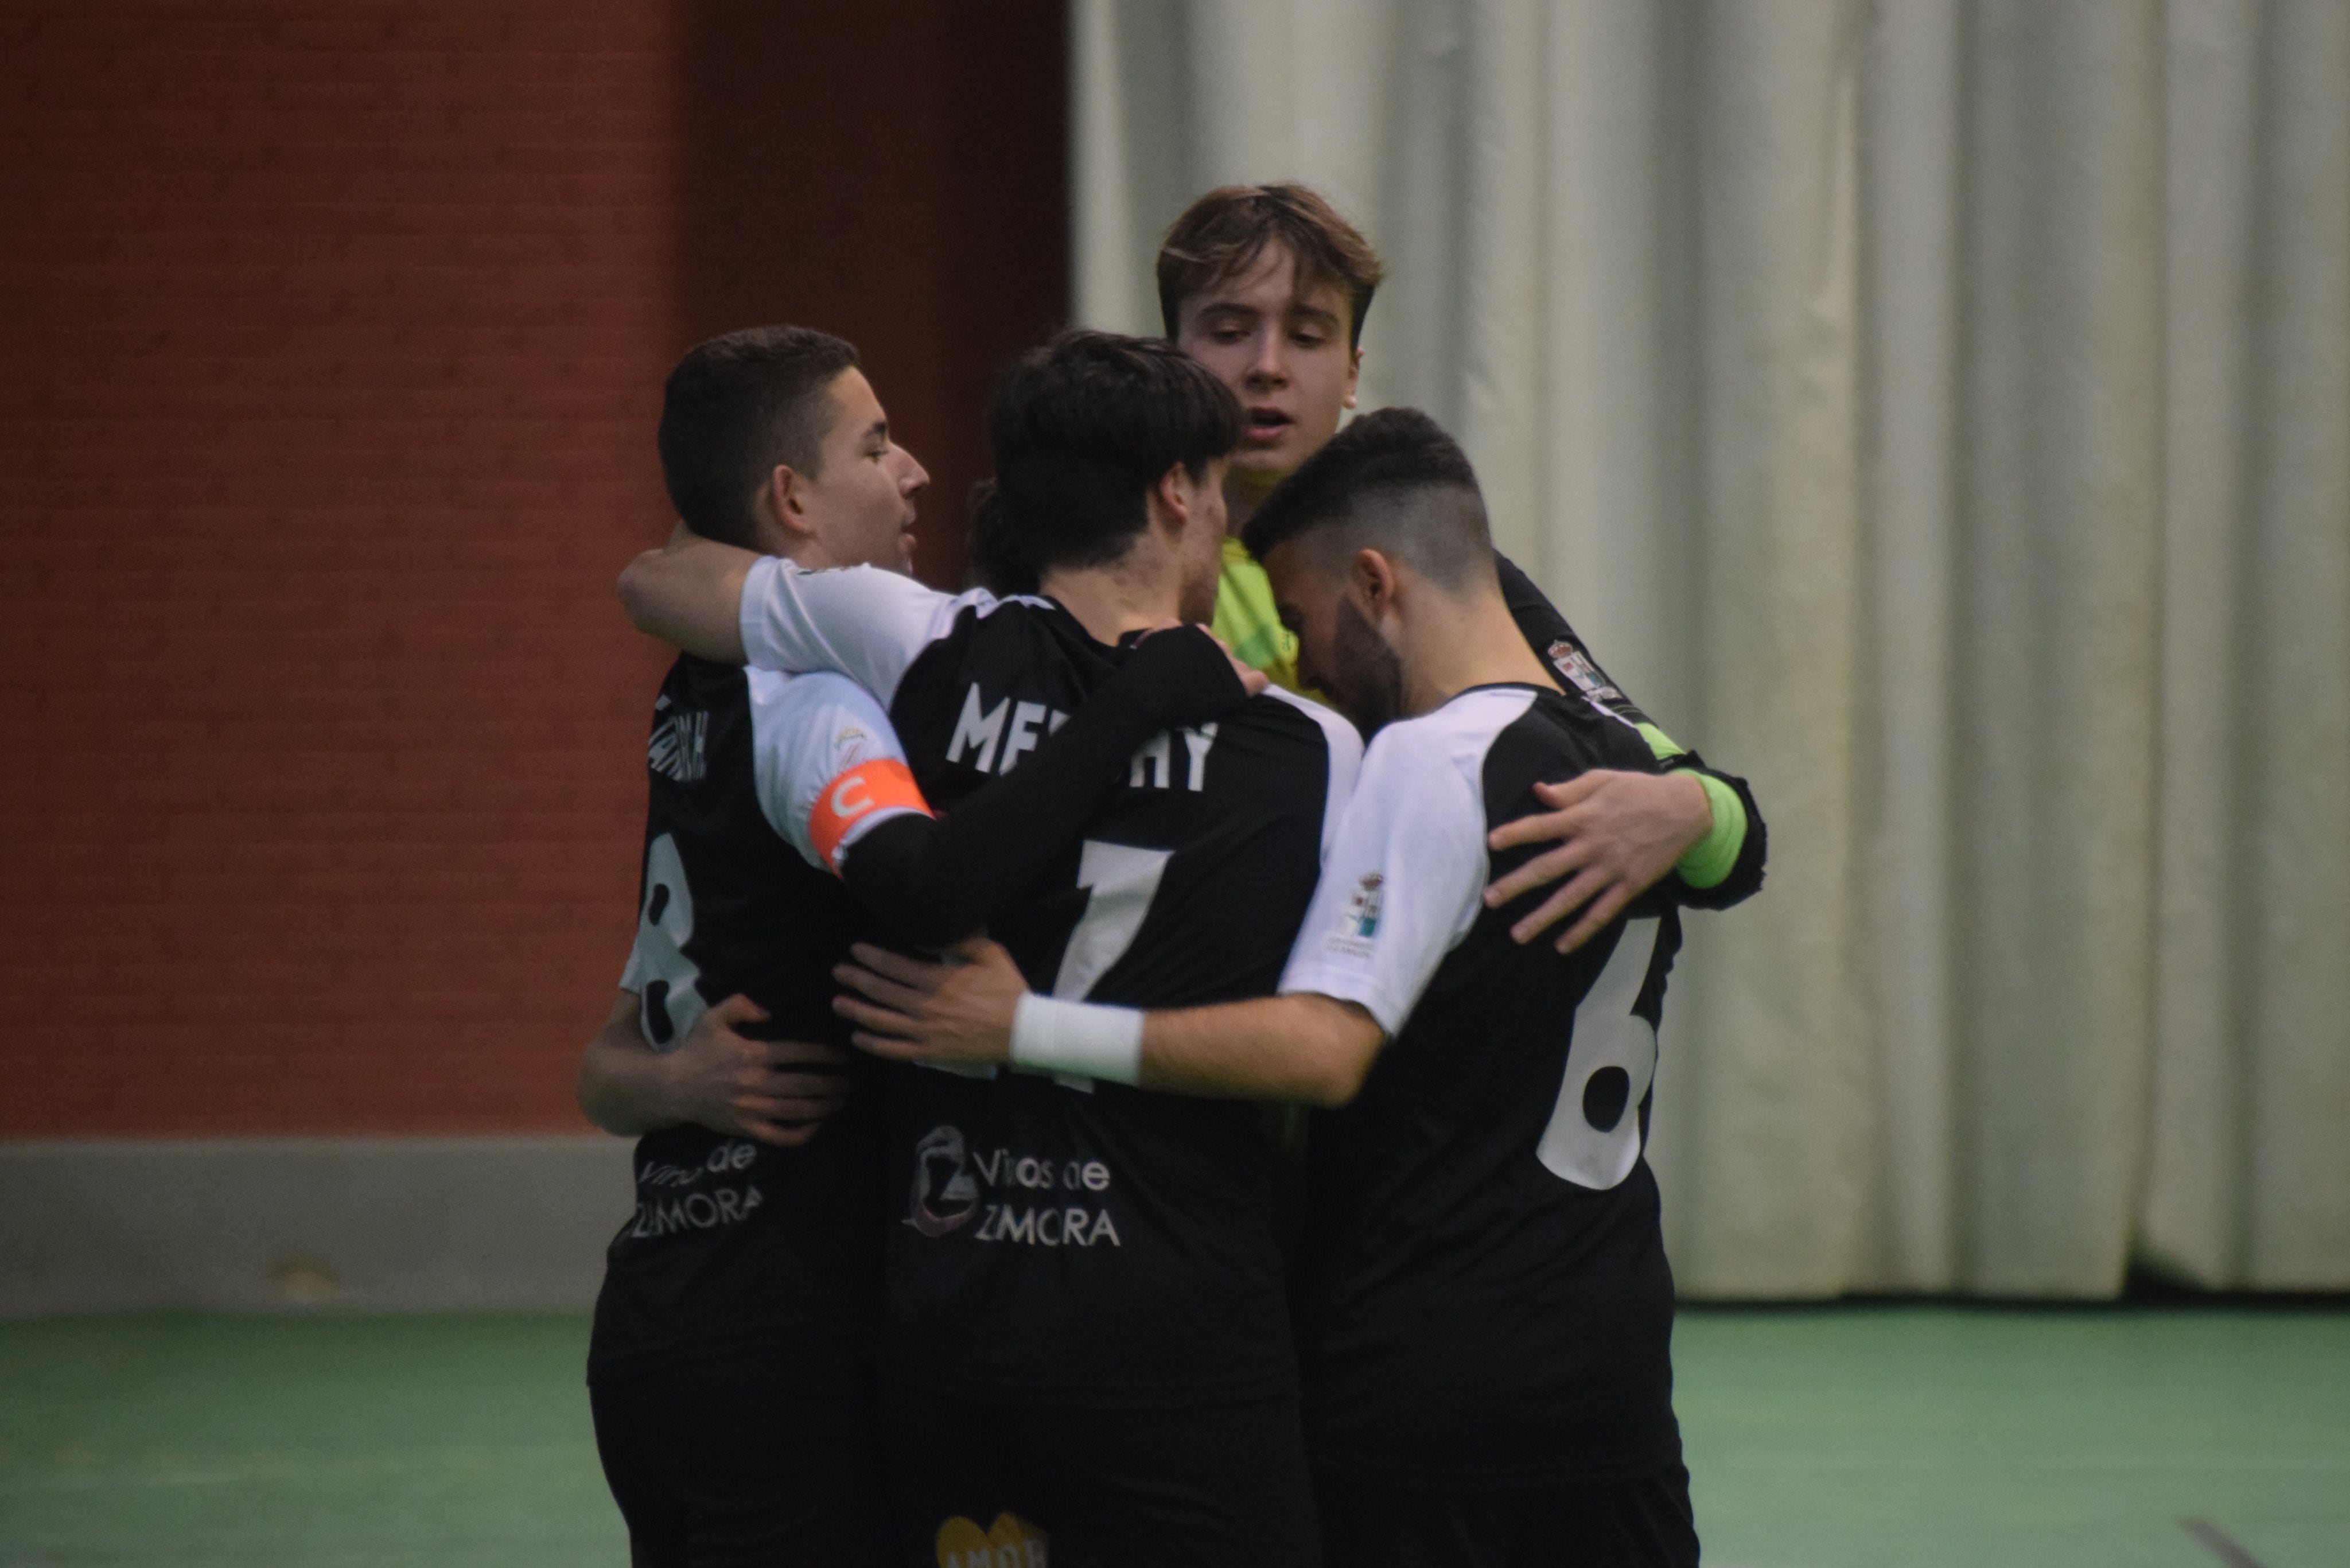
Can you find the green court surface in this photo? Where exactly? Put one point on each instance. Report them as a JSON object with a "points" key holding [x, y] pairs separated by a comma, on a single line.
{"points": [[1844, 1437]]}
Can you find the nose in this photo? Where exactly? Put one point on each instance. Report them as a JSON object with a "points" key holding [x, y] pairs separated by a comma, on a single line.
{"points": [[1269, 367], [916, 476]]}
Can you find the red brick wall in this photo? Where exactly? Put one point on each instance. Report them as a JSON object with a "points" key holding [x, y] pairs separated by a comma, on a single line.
{"points": [[893, 170], [331, 337]]}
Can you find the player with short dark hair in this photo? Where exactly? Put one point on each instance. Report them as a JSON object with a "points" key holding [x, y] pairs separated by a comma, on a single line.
{"points": [[728, 1364], [1086, 1326], [738, 409], [1268, 285], [1486, 1310]]}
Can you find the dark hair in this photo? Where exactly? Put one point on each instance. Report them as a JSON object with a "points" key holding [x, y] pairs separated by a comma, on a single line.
{"points": [[734, 408], [1394, 479], [996, 563], [1222, 233], [1082, 429]]}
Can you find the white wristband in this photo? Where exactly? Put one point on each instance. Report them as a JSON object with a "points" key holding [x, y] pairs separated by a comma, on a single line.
{"points": [[1086, 1039]]}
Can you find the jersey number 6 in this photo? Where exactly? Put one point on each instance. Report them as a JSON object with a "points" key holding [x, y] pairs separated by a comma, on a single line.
{"points": [[1593, 1136]]}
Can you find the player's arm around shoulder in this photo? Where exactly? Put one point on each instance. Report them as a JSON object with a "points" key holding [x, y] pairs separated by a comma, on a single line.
{"points": [[978, 1010], [777, 1091], [728, 605], [1616, 827], [689, 594], [1399, 886]]}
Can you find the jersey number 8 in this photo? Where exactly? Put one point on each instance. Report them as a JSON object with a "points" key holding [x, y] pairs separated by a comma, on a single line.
{"points": [[659, 969]]}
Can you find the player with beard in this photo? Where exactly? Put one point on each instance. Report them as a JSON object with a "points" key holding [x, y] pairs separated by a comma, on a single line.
{"points": [[1485, 1309], [1268, 286], [733, 1414], [1087, 1331]]}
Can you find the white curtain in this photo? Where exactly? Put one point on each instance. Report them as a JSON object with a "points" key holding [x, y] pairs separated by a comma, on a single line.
{"points": [[1938, 411]]}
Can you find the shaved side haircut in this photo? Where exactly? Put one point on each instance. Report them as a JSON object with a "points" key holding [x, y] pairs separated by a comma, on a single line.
{"points": [[1221, 235], [1394, 481], [735, 407]]}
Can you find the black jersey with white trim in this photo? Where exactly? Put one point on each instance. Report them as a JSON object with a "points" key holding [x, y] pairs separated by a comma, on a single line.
{"points": [[1071, 1241], [1483, 1295], [737, 1244]]}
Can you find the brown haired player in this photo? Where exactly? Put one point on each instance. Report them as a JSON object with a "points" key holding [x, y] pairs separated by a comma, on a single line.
{"points": [[1267, 286]]}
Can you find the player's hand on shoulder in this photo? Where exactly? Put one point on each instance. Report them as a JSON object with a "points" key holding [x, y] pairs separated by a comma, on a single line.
{"points": [[777, 1091], [911, 1011], [1199, 675], [1618, 833], [1253, 681]]}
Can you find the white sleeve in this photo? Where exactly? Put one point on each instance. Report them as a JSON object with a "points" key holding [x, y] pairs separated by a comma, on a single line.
{"points": [[1344, 744], [1401, 884], [862, 621], [827, 764]]}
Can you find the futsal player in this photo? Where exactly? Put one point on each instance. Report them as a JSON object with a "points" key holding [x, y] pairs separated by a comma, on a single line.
{"points": [[1268, 286], [1485, 1308], [1085, 1324], [727, 1363]]}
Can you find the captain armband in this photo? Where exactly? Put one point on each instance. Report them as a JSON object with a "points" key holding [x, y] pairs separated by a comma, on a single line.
{"points": [[1084, 1039], [883, 786]]}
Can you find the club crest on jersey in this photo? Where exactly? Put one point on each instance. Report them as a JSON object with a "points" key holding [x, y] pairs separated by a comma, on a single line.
{"points": [[676, 749], [1574, 665], [945, 1197], [1360, 921]]}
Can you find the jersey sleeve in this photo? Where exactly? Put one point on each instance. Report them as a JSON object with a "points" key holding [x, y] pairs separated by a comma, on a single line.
{"points": [[1400, 885], [827, 764], [1343, 745], [860, 621], [1725, 865]]}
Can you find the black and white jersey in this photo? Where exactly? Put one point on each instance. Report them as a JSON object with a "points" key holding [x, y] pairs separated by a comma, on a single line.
{"points": [[757, 783], [1483, 1296], [1062, 1241]]}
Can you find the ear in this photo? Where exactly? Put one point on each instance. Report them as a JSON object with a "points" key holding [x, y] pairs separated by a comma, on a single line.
{"points": [[1354, 376], [1172, 497], [1371, 579], [783, 503]]}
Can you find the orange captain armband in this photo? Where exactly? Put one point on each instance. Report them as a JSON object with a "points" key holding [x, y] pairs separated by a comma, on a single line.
{"points": [[884, 784]]}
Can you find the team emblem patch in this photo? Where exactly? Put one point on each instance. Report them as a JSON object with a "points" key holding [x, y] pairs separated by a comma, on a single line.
{"points": [[1575, 667], [1360, 921]]}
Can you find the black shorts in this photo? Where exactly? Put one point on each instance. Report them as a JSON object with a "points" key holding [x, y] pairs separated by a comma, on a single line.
{"points": [[745, 1463], [980, 1484], [1645, 1522]]}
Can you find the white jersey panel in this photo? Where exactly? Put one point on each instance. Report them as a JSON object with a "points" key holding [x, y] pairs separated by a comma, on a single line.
{"points": [[1404, 881], [805, 732], [1346, 743], [864, 622]]}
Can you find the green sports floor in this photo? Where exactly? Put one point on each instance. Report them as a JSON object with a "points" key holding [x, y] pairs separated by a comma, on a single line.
{"points": [[1832, 1438]]}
